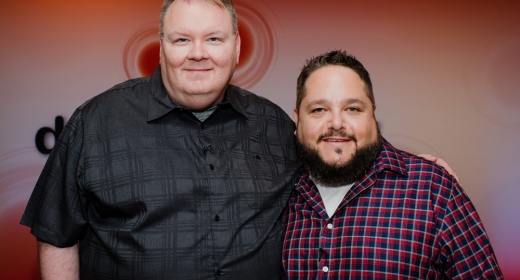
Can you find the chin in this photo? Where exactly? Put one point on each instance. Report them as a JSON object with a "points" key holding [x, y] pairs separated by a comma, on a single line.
{"points": [[197, 89], [335, 161]]}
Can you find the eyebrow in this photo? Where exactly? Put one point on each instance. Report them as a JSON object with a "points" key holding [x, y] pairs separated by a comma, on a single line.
{"points": [[344, 101], [215, 33], [175, 33]]}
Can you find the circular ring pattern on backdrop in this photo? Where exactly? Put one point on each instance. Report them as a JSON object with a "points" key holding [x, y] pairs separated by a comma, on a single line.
{"points": [[257, 52], [492, 79], [258, 49], [141, 53]]}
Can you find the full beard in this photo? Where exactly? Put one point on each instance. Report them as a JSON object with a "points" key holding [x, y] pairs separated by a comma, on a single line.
{"points": [[336, 175]]}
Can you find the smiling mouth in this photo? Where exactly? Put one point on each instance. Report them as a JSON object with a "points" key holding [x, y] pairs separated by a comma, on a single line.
{"points": [[336, 140], [337, 137]]}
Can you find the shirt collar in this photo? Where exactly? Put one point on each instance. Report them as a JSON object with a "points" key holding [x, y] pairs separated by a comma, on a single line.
{"points": [[390, 159], [161, 103], [236, 100]]}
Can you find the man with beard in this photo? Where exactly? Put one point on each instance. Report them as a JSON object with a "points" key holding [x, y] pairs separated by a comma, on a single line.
{"points": [[364, 209]]}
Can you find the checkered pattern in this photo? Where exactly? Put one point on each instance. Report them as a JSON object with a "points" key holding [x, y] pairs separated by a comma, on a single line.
{"points": [[152, 193], [405, 219]]}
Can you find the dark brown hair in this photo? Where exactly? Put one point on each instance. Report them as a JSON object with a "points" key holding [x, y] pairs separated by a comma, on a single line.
{"points": [[335, 57]]}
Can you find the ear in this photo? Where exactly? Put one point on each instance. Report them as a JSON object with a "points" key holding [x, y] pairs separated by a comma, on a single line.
{"points": [[160, 49], [295, 116], [237, 46]]}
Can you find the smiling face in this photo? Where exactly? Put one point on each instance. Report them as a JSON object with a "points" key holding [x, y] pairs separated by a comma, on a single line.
{"points": [[335, 117], [199, 51]]}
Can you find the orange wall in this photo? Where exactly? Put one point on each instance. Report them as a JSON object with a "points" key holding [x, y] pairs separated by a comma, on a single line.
{"points": [[445, 78]]}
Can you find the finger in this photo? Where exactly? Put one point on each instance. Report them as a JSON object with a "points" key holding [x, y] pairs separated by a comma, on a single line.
{"points": [[444, 164]]}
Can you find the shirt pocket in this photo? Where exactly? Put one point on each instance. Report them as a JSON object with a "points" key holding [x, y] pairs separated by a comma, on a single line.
{"points": [[261, 179]]}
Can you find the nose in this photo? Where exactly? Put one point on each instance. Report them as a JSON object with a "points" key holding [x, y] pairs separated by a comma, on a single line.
{"points": [[198, 51], [336, 121]]}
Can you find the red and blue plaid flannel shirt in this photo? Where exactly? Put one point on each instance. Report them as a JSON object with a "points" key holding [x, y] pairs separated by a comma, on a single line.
{"points": [[405, 219]]}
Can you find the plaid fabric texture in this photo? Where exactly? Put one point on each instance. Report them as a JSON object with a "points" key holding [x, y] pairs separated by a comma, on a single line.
{"points": [[405, 219], [150, 192]]}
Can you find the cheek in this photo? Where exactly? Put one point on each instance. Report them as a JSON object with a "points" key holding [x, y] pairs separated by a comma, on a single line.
{"points": [[174, 58], [309, 132], [224, 57], [366, 132]]}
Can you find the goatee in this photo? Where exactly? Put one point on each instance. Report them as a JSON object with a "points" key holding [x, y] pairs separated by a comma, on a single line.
{"points": [[336, 175]]}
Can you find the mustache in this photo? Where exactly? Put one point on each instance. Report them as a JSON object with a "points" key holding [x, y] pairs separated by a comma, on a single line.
{"points": [[340, 133]]}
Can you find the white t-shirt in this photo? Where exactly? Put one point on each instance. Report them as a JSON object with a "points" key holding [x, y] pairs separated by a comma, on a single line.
{"points": [[332, 196]]}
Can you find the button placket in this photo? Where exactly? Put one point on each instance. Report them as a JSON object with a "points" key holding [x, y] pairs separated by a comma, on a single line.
{"points": [[327, 232]]}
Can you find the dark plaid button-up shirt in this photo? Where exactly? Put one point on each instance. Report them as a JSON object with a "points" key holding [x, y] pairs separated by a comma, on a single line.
{"points": [[150, 192], [405, 219]]}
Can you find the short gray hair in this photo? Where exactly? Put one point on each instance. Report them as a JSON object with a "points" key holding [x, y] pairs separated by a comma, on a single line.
{"points": [[228, 4]]}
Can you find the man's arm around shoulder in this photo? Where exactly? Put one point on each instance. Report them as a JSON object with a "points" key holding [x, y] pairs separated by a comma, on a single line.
{"points": [[58, 263]]}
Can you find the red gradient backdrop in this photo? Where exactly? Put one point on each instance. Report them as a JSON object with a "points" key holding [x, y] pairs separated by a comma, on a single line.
{"points": [[445, 78]]}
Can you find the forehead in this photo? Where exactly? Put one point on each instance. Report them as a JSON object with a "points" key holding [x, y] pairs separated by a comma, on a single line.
{"points": [[197, 14], [336, 83]]}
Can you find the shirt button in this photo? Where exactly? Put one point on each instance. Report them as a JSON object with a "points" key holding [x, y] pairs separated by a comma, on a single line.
{"points": [[330, 226], [325, 269], [211, 167], [217, 218], [218, 273]]}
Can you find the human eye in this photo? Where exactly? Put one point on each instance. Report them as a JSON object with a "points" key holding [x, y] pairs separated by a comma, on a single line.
{"points": [[180, 40], [353, 109], [317, 110], [214, 39]]}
